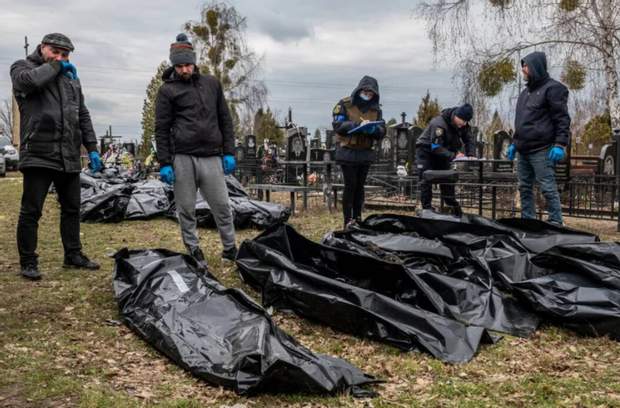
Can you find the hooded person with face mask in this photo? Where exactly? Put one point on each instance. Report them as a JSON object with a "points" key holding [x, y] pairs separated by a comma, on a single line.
{"points": [[542, 134], [354, 153]]}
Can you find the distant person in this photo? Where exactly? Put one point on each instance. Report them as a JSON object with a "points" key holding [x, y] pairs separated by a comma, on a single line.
{"points": [[195, 145], [542, 132], [55, 124], [438, 146], [354, 153]]}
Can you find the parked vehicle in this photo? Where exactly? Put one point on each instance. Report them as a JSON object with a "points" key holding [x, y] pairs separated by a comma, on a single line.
{"points": [[2, 166], [9, 152]]}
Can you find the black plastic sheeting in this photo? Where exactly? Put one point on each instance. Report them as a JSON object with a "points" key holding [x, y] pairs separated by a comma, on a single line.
{"points": [[246, 212], [450, 279], [114, 200], [220, 334], [114, 197], [350, 292]]}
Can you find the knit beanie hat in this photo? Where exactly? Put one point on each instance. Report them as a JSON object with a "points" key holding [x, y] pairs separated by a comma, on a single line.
{"points": [[465, 112], [182, 51]]}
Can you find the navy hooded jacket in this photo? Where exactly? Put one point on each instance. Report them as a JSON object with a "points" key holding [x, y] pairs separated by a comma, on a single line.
{"points": [[542, 118]]}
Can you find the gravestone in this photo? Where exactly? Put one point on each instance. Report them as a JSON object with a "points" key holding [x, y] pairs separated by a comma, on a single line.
{"points": [[239, 154], [501, 141], [386, 149], [330, 139], [478, 140], [250, 146], [296, 150], [296, 144]]}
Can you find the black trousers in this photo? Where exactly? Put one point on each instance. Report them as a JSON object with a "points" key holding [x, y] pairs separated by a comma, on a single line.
{"points": [[428, 161], [37, 182], [354, 175]]}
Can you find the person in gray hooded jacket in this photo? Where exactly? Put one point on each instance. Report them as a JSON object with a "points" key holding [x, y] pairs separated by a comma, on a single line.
{"points": [[542, 134]]}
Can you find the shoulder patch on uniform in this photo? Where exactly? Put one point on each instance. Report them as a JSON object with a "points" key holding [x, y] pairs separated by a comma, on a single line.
{"points": [[337, 109], [438, 131]]}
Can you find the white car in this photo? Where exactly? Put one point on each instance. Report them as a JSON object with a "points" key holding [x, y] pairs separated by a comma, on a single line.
{"points": [[9, 152]]}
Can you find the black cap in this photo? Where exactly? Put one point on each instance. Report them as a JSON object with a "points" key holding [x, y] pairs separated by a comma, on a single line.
{"points": [[58, 40], [465, 112]]}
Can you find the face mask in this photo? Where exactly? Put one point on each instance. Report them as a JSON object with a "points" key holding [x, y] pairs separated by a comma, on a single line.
{"points": [[365, 97]]}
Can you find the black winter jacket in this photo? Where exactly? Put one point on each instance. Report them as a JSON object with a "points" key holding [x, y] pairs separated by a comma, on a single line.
{"points": [[444, 139], [54, 119], [342, 122], [542, 117], [192, 117]]}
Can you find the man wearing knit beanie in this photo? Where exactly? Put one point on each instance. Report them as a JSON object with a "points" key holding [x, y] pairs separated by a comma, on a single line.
{"points": [[195, 145], [438, 145]]}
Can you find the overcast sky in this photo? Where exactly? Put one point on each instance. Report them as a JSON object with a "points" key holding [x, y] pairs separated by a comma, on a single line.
{"points": [[314, 52]]}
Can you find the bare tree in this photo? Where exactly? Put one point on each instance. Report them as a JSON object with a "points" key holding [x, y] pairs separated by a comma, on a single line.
{"points": [[6, 118], [219, 38], [488, 31]]}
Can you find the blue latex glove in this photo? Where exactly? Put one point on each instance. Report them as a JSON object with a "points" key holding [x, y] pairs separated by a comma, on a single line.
{"points": [[556, 154], [166, 174], [95, 162], [68, 70], [435, 146], [512, 152], [229, 164]]}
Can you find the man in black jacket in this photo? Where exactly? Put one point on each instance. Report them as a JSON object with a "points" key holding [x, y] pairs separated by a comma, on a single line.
{"points": [[542, 132], [354, 153], [55, 123], [438, 145], [195, 145]]}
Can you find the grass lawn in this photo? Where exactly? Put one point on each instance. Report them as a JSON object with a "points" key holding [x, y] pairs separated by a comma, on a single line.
{"points": [[61, 344]]}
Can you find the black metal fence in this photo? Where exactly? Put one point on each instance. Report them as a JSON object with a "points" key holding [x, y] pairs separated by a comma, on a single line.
{"points": [[488, 187]]}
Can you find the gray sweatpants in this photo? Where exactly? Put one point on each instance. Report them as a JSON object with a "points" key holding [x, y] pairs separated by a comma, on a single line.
{"points": [[204, 173]]}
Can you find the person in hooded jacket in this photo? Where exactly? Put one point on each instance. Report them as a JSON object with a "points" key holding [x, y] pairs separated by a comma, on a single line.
{"points": [[542, 133], [55, 123], [437, 146], [354, 151], [195, 145]]}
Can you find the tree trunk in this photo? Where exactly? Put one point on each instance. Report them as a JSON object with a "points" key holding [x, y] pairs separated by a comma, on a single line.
{"points": [[611, 75], [610, 65], [15, 122]]}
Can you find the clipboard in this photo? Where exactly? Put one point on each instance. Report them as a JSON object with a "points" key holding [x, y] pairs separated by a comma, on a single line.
{"points": [[364, 126], [466, 159]]}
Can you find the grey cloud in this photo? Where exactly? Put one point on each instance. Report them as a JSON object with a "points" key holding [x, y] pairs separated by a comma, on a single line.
{"points": [[119, 45], [283, 29]]}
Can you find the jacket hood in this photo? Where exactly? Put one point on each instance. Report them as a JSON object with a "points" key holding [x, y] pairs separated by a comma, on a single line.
{"points": [[447, 114], [170, 74], [537, 64], [370, 84]]}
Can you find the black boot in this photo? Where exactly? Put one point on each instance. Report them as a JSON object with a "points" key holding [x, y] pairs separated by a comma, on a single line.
{"points": [[80, 261], [230, 254], [31, 271], [457, 211], [198, 255], [352, 224]]}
